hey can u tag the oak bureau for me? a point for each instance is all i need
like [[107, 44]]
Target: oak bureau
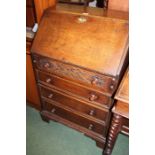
[[79, 61]]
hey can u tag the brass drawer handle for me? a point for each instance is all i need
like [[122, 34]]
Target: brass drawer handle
[[48, 80], [94, 80], [111, 87], [90, 127], [46, 65], [53, 110], [50, 96], [82, 19], [93, 97], [34, 61], [92, 112]]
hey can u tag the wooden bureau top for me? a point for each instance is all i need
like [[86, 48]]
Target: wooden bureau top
[[99, 44], [121, 108], [122, 93]]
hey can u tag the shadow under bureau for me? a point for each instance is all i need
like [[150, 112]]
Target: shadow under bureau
[[78, 66]]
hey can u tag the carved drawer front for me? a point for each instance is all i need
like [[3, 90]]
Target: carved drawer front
[[73, 103], [74, 117], [87, 94], [74, 73]]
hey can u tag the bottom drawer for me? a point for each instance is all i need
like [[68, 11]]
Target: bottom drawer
[[80, 120], [125, 126]]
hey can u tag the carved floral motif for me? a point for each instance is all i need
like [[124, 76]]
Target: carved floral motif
[[72, 72], [75, 73]]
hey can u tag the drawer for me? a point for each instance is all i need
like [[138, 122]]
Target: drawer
[[75, 118], [87, 94], [75, 104], [125, 126], [103, 83]]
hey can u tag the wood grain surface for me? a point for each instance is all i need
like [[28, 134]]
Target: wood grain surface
[[121, 5], [123, 90], [32, 95], [99, 44]]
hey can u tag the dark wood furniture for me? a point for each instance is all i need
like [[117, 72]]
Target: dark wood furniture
[[30, 13], [34, 10], [32, 95], [31, 88], [119, 5], [41, 6], [120, 119], [79, 61]]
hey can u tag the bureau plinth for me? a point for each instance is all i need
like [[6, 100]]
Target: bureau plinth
[[78, 67]]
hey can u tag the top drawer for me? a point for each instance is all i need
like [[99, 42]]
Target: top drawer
[[106, 84]]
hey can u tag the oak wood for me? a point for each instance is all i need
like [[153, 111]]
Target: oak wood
[[30, 13], [32, 95], [113, 133], [41, 6], [28, 46], [121, 5], [30, 17], [100, 144], [75, 126], [74, 89], [75, 118], [123, 90], [85, 108], [125, 126], [72, 72], [120, 119], [119, 124], [35, 9], [122, 97], [45, 118], [77, 65], [63, 30], [121, 108]]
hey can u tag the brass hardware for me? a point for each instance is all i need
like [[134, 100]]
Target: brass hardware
[[93, 97], [46, 65], [53, 110], [91, 112], [34, 61], [94, 81], [50, 96], [112, 87], [90, 127], [48, 80], [82, 19]]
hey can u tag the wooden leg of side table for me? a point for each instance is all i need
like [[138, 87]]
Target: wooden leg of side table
[[113, 133]]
